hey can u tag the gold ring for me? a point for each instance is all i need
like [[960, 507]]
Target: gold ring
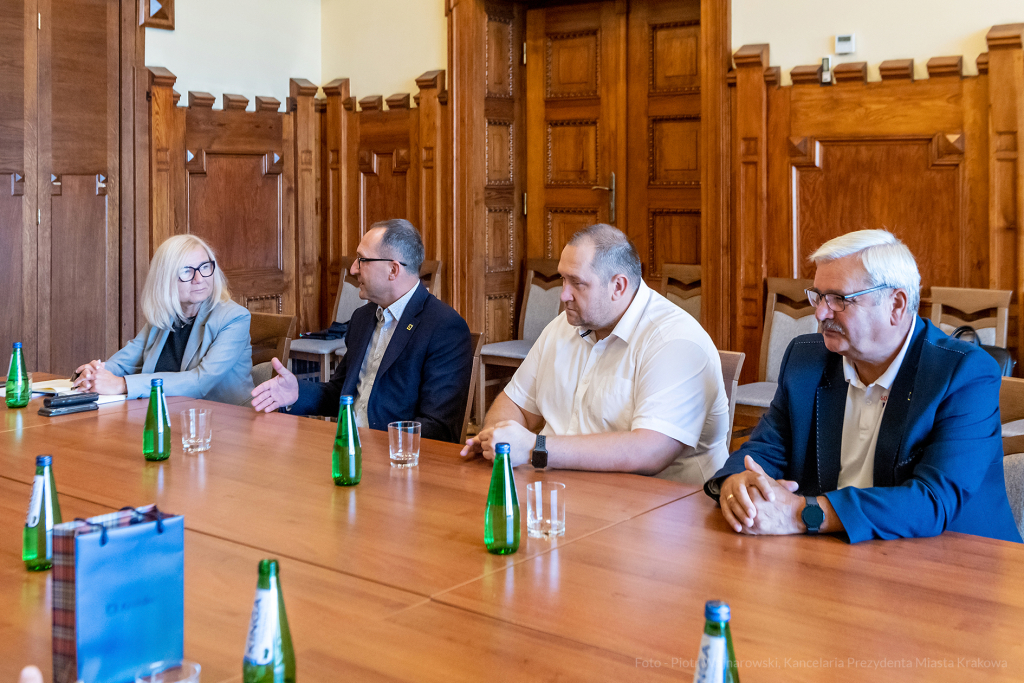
[[731, 496]]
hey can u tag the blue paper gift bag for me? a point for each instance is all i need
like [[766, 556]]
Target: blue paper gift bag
[[118, 595]]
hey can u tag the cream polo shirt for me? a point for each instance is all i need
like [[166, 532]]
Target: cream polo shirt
[[657, 370], [865, 406], [387, 321]]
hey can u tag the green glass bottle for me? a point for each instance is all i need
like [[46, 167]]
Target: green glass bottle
[[19, 389], [347, 458], [716, 661], [501, 528], [156, 437], [43, 513], [269, 656]]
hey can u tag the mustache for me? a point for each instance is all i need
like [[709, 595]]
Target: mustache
[[832, 326]]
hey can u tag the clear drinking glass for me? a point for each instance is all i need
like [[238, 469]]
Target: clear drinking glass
[[169, 672], [196, 429], [404, 439], [545, 509]]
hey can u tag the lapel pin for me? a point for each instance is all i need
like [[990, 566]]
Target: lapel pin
[[410, 326]]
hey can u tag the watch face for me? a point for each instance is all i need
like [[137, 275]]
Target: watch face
[[812, 516]]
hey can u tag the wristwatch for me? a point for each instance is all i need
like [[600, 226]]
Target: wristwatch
[[812, 515], [539, 457]]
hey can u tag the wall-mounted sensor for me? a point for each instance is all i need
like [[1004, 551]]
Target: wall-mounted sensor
[[826, 71], [845, 44]]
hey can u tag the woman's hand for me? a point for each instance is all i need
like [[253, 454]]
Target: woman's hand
[[85, 374], [95, 377]]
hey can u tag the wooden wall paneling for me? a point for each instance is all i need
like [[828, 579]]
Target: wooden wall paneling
[[307, 224], [716, 178], [79, 231], [167, 164], [1006, 163], [780, 258], [433, 195], [664, 134], [339, 234], [751, 205], [134, 161], [387, 163], [505, 155], [241, 197], [467, 23]]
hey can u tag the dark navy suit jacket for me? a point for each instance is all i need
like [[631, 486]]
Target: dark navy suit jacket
[[939, 456], [423, 376]]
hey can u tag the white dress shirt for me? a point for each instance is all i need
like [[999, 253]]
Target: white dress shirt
[[657, 370], [387, 321], [865, 406]]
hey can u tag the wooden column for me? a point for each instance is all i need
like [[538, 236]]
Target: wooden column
[[434, 180], [306, 127], [752, 206], [716, 257], [1006, 164], [339, 222], [467, 21], [166, 163]]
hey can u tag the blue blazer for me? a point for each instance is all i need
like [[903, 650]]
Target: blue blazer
[[217, 365], [423, 376], [939, 456]]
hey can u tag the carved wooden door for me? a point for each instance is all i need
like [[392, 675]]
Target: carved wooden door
[[575, 112]]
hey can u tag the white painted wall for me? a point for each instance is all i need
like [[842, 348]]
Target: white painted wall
[[248, 48], [383, 46], [803, 31]]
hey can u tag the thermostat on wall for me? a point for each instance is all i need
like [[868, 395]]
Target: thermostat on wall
[[845, 44]]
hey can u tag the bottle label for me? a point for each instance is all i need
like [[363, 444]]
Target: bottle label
[[259, 649], [711, 660], [35, 506]]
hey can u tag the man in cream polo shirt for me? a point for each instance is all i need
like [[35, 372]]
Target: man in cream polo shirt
[[623, 380]]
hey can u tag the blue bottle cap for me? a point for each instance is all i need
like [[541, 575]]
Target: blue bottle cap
[[346, 400], [716, 610], [156, 382], [17, 345], [502, 448], [44, 460]]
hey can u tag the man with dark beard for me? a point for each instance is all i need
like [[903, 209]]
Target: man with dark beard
[[885, 426]]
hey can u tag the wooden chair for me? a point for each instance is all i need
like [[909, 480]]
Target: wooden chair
[[430, 276], [542, 290], [680, 284], [986, 310], [478, 343], [1011, 415], [271, 336], [732, 364], [788, 314], [345, 303]]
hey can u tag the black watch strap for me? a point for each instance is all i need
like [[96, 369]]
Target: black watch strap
[[539, 457]]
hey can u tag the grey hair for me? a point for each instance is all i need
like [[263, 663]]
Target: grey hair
[[886, 259], [402, 242], [614, 253]]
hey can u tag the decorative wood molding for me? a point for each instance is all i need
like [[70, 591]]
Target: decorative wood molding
[[652, 59], [773, 75], [652, 126], [157, 14], [509, 151], [509, 61], [431, 80], [752, 55], [946, 66], [200, 100], [338, 87], [55, 185], [372, 103], [597, 66], [597, 152], [101, 185], [805, 153], [507, 265], [1005, 36], [654, 269], [947, 149], [320, 106], [348, 104], [195, 161], [510, 322], [268, 104], [897, 70], [161, 77], [367, 162], [273, 163], [300, 87], [809, 74], [730, 77], [175, 97], [17, 185], [246, 300], [235, 101], [400, 161], [398, 101], [983, 64], [549, 235], [851, 72]]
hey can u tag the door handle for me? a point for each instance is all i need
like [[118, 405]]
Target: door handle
[[611, 208]]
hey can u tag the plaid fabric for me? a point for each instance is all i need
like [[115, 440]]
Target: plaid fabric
[[65, 662]]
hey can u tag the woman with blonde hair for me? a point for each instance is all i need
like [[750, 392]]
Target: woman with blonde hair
[[195, 338]]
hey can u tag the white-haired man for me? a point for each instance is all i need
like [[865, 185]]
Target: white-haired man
[[882, 426], [622, 381]]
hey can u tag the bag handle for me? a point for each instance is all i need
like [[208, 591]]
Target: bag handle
[[966, 329], [152, 515]]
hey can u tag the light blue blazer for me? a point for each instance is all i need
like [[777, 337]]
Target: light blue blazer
[[217, 365]]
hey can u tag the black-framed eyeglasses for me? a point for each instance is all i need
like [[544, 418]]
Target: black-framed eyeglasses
[[838, 302], [360, 260], [188, 273]]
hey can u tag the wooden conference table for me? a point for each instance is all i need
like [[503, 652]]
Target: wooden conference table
[[389, 580]]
